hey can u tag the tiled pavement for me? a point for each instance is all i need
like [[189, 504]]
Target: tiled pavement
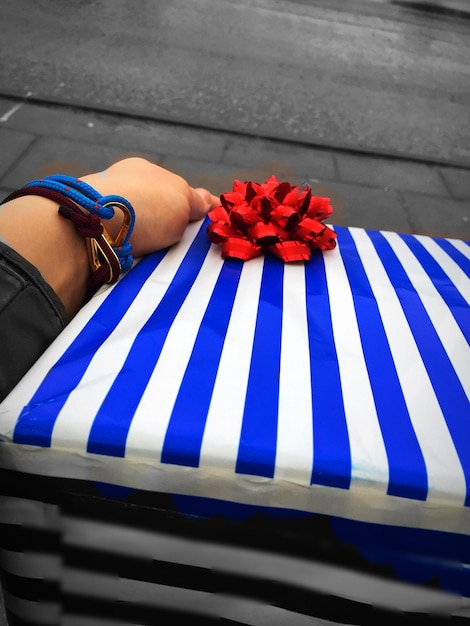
[[366, 190]]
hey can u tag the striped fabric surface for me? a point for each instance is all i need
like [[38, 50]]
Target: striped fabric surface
[[349, 372], [98, 571]]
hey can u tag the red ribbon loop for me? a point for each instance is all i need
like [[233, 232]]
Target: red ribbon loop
[[243, 217], [290, 251], [242, 249], [319, 208], [286, 217], [219, 231], [309, 229], [219, 214], [282, 219], [263, 234]]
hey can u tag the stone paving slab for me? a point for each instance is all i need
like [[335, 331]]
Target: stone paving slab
[[219, 177], [13, 144], [114, 130], [375, 209], [170, 139], [58, 121], [458, 181], [438, 217], [56, 155], [391, 174], [264, 154]]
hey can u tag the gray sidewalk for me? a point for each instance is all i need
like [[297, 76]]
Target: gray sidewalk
[[366, 190]]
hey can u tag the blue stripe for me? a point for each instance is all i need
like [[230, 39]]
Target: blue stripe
[[331, 450], [36, 421], [441, 281], [257, 448], [108, 434], [458, 257], [407, 469], [183, 439], [447, 386]]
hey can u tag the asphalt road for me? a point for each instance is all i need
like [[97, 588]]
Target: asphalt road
[[359, 75]]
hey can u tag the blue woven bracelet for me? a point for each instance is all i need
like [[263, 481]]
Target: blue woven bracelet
[[88, 198]]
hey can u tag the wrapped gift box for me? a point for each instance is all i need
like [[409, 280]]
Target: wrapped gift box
[[303, 424]]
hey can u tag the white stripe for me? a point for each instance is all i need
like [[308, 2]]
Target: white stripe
[[153, 595], [225, 415], [299, 572], [445, 474], [31, 565], [442, 319], [30, 513], [35, 612], [166, 597], [86, 399], [461, 246], [148, 428], [294, 455], [368, 455], [455, 273]]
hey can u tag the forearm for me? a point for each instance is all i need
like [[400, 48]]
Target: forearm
[[163, 203]]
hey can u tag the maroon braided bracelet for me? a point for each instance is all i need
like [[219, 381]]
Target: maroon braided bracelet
[[104, 263]]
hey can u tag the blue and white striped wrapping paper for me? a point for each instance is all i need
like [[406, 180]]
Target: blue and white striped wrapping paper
[[341, 385]]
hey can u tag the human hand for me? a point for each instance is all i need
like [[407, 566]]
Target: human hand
[[164, 202]]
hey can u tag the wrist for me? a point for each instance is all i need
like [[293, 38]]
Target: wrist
[[85, 207], [32, 227]]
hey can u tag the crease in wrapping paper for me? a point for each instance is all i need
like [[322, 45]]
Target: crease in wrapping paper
[[363, 503]]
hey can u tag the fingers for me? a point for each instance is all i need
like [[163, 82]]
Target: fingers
[[202, 201]]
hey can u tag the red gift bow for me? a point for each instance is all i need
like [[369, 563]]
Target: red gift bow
[[273, 216]]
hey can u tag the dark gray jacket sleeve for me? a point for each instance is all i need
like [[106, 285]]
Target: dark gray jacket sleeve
[[31, 317]]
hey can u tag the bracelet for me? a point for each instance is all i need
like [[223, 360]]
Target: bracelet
[[83, 195], [85, 207]]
